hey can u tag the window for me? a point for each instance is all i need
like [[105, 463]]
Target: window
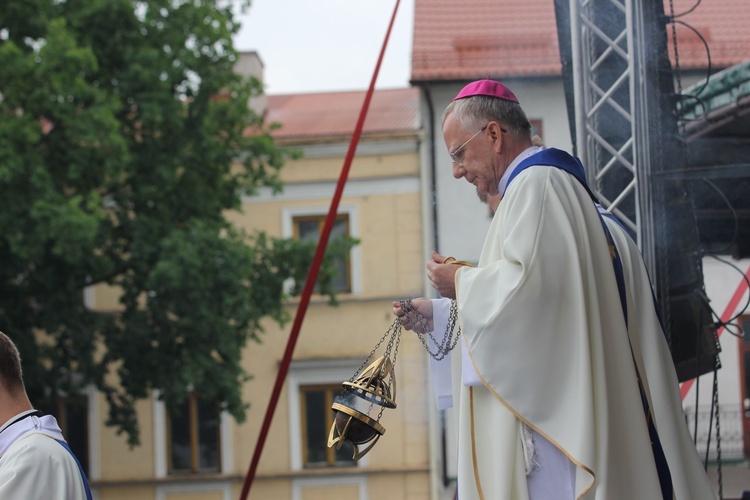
[[72, 417], [309, 228], [194, 437], [536, 128], [312, 386], [316, 419]]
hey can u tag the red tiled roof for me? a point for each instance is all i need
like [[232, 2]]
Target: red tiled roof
[[724, 25], [336, 113], [504, 38], [473, 38]]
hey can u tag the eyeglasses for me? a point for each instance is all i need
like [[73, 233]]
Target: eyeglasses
[[456, 155]]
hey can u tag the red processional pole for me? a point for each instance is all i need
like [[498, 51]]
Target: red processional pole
[[312, 276]]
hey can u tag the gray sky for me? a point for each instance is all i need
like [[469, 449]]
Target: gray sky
[[328, 45]]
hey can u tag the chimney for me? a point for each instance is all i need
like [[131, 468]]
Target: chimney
[[249, 64]]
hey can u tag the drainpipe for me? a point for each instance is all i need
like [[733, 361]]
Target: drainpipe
[[436, 417]]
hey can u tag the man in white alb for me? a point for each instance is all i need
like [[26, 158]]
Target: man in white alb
[[564, 387], [35, 461]]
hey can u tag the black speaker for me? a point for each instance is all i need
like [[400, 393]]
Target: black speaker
[[694, 342], [687, 314]]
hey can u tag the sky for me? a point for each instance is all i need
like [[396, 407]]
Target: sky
[[328, 45]]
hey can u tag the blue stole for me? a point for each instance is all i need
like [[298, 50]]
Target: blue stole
[[554, 158], [560, 159], [80, 469]]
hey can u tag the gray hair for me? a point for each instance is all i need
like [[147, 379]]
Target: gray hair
[[474, 113]]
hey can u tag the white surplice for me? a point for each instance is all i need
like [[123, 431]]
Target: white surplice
[[543, 329], [33, 463]]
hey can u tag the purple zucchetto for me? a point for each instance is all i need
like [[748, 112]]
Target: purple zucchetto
[[489, 88]]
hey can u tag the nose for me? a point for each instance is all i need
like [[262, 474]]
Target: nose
[[458, 171]]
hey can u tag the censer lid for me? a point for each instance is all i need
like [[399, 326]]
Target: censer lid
[[376, 383]]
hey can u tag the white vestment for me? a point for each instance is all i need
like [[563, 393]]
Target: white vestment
[[33, 463], [543, 328]]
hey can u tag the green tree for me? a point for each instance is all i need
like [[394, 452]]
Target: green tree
[[123, 143]]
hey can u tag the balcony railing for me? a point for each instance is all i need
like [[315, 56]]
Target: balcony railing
[[730, 420]]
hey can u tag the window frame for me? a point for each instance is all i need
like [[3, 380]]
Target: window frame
[[194, 425], [300, 485], [89, 396], [320, 220], [62, 405], [308, 373], [538, 124], [330, 391], [162, 443], [288, 214]]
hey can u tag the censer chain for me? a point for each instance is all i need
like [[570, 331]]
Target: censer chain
[[418, 324], [393, 332]]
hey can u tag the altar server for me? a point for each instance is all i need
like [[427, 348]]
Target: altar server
[[35, 461]]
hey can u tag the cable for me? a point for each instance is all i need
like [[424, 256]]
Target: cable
[[710, 421], [734, 215], [740, 333], [715, 402], [695, 420], [747, 282], [699, 102], [708, 52], [687, 11], [673, 20]]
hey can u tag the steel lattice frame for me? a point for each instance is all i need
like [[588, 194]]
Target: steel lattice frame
[[626, 134], [611, 119]]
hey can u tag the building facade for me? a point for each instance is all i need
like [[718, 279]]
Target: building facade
[[198, 453], [380, 207]]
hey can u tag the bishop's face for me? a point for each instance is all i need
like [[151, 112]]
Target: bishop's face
[[472, 155]]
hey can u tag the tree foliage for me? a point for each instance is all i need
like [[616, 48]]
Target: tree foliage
[[121, 126]]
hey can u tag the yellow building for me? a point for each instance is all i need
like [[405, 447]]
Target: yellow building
[[381, 207], [200, 455]]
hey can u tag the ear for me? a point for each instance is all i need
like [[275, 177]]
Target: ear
[[496, 134]]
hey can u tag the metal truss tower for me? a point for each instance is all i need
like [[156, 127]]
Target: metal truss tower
[[615, 106], [623, 114]]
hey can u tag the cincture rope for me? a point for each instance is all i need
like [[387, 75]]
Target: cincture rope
[[452, 260]]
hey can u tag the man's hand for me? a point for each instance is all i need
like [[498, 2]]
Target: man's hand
[[442, 275], [423, 308]]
